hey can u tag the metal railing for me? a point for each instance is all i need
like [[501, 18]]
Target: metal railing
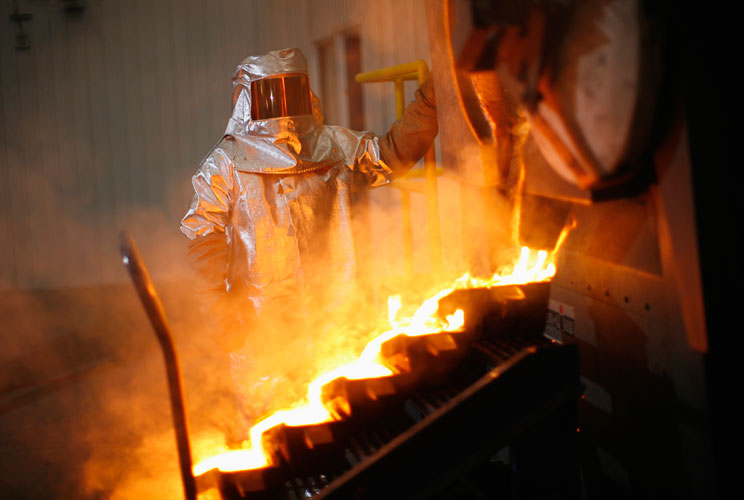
[[416, 70]]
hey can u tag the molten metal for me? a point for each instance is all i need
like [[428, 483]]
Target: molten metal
[[370, 364]]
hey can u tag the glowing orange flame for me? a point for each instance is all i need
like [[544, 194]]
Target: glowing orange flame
[[369, 365]]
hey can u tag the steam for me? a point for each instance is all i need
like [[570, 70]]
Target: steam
[[107, 430], [116, 417], [83, 402]]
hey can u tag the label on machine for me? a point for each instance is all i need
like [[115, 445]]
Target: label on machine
[[559, 321]]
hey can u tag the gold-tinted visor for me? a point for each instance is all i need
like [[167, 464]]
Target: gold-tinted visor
[[282, 95]]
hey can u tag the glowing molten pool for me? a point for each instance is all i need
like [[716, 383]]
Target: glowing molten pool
[[369, 363]]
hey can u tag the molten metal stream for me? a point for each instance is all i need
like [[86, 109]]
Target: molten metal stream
[[370, 365]]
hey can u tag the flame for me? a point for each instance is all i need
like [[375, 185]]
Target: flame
[[425, 320], [520, 131], [564, 234], [310, 412]]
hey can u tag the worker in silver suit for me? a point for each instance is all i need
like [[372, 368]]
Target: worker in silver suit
[[270, 221]]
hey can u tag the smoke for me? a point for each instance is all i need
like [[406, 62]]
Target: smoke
[[84, 407], [104, 427], [131, 438], [84, 410], [107, 433]]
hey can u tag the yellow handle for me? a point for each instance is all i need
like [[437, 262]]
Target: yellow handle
[[415, 70]]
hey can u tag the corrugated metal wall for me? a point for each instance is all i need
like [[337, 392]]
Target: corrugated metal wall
[[104, 119], [101, 122], [391, 32]]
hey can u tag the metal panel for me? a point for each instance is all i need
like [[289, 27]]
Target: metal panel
[[101, 141], [131, 98], [59, 167], [7, 250], [474, 149], [15, 158], [85, 238], [118, 156], [125, 100]]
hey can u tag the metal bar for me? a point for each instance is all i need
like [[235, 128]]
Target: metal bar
[[407, 71], [409, 185], [432, 193], [537, 383], [419, 71], [155, 312], [432, 205], [405, 196], [419, 173], [400, 99], [405, 208]]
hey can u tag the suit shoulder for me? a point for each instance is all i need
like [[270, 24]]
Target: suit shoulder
[[226, 147]]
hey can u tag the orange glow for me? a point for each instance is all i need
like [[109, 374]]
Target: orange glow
[[530, 267], [520, 132], [564, 234]]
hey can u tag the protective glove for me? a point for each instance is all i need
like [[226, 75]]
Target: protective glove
[[232, 318], [230, 314], [413, 134]]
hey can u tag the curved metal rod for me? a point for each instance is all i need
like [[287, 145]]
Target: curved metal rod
[[156, 313]]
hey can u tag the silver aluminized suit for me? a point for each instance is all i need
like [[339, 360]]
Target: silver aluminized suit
[[270, 221]]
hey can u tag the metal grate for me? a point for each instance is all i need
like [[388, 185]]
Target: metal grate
[[501, 388]]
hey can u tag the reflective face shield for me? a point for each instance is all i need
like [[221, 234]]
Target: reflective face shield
[[281, 95]]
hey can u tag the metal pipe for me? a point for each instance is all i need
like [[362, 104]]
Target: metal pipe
[[407, 226], [405, 197], [432, 202], [407, 71], [400, 99], [415, 70], [417, 173], [156, 314], [411, 186], [432, 191]]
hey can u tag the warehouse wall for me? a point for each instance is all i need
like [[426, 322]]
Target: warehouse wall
[[108, 113], [102, 120], [391, 32]]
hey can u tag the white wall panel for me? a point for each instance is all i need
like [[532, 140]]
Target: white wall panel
[[7, 235], [14, 154], [106, 117], [104, 120], [7, 257]]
